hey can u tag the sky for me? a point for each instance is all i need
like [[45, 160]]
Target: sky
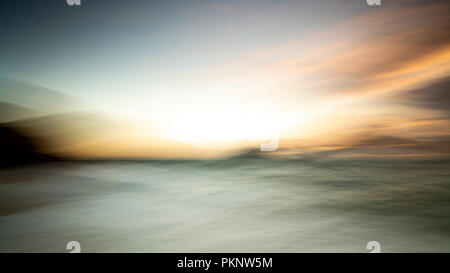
[[220, 74]]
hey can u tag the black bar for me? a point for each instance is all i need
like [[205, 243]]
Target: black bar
[[280, 262]]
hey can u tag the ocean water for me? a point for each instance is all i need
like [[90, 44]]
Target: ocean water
[[239, 204]]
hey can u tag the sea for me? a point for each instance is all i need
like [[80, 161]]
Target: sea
[[243, 203]]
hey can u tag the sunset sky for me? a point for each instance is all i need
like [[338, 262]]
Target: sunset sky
[[221, 74]]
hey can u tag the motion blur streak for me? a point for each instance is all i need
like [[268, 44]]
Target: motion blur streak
[[137, 125], [244, 203]]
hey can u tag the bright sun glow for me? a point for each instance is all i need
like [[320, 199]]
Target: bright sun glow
[[202, 123]]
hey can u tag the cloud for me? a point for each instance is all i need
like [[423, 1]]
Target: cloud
[[377, 144], [435, 96], [375, 51]]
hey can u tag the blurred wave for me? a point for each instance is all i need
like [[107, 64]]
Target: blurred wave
[[249, 202]]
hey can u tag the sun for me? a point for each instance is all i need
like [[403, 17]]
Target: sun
[[224, 123]]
